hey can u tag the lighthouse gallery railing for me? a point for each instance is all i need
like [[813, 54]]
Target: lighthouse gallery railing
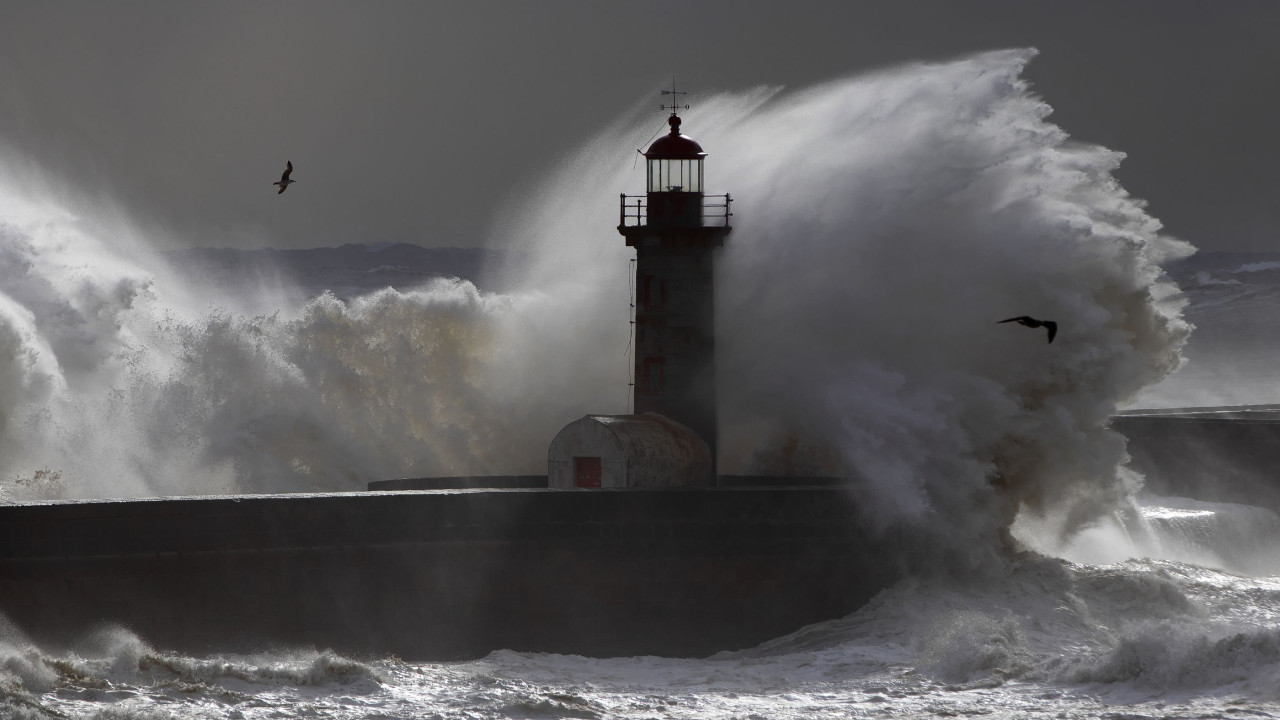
[[716, 210]]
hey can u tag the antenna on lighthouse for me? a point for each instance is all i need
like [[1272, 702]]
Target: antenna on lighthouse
[[672, 108], [673, 91]]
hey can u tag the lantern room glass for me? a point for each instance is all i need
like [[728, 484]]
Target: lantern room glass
[[666, 175]]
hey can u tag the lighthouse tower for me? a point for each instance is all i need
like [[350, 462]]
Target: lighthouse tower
[[675, 228]]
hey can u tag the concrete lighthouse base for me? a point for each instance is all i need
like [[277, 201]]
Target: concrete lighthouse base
[[436, 575]]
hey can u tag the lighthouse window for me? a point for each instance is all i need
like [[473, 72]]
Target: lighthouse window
[[675, 175]]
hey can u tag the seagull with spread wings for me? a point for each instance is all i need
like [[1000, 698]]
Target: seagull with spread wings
[[284, 179], [1031, 322]]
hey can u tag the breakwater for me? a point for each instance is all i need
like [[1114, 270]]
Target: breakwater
[[438, 574], [1227, 454], [442, 574]]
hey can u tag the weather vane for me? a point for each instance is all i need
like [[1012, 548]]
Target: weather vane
[[673, 91]]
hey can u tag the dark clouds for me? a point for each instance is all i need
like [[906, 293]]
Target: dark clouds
[[417, 121]]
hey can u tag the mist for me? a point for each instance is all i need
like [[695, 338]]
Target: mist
[[883, 224]]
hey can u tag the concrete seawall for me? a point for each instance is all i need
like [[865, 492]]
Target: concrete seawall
[[442, 574], [1216, 454], [445, 574]]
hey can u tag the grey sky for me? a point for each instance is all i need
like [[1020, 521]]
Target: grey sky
[[414, 122]]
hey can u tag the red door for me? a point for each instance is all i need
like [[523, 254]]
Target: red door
[[586, 472]]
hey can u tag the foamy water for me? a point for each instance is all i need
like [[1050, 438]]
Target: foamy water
[[883, 225]]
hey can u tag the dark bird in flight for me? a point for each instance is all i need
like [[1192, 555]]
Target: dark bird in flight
[[284, 179], [1034, 323]]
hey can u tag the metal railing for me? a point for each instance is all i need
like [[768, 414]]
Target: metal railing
[[715, 212]]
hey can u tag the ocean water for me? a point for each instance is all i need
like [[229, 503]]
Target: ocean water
[[883, 225]]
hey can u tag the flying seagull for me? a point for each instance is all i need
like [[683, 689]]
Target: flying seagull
[[284, 179], [1034, 323]]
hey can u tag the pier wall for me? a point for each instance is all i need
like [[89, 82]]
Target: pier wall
[[450, 574], [442, 574], [1230, 456]]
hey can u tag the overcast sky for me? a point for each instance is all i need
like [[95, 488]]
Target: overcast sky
[[416, 121]]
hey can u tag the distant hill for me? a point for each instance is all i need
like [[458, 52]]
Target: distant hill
[[346, 271]]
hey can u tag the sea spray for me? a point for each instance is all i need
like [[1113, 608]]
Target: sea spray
[[934, 201], [119, 382], [893, 369], [68, 341], [883, 224]]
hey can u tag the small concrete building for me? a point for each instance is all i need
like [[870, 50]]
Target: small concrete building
[[619, 451]]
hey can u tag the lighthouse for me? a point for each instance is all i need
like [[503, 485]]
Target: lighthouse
[[676, 228], [670, 440]]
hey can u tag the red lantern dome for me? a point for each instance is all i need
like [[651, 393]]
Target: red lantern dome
[[675, 161]]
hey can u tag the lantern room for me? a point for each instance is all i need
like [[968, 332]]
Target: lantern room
[[675, 162], [674, 183]]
